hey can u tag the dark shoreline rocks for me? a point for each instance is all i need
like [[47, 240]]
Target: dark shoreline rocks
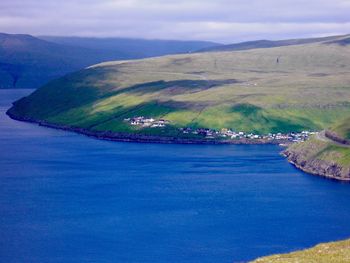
[[315, 167], [330, 170]]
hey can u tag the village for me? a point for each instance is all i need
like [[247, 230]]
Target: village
[[224, 133], [229, 134], [147, 122]]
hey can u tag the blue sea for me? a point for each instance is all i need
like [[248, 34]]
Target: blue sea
[[68, 198]]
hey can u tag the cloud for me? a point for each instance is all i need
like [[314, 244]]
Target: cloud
[[219, 20]]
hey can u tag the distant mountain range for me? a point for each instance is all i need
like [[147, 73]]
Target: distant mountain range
[[30, 62], [129, 48]]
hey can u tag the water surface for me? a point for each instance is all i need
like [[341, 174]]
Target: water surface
[[69, 198]]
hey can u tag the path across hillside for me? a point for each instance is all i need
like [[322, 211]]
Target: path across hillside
[[322, 137]]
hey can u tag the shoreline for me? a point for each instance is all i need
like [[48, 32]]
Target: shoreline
[[139, 138], [326, 170]]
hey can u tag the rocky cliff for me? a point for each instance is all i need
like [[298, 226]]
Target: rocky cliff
[[321, 158]]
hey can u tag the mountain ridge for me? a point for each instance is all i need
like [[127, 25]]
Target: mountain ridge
[[29, 62], [133, 47], [263, 43]]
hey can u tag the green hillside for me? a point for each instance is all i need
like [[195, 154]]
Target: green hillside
[[334, 252], [281, 89]]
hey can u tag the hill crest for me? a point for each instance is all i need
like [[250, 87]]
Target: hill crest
[[282, 89], [342, 39]]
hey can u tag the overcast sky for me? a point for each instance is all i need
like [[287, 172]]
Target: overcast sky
[[216, 20]]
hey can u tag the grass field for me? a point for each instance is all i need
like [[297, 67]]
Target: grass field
[[334, 252], [307, 88]]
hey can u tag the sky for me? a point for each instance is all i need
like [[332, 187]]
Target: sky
[[213, 20]]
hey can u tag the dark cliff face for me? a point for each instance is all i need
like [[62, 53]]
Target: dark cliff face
[[317, 166]]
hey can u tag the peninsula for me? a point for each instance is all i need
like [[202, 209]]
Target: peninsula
[[246, 93]]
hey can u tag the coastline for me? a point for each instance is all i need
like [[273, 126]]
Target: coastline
[[316, 168], [328, 170], [139, 138]]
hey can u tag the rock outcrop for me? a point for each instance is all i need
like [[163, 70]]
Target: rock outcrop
[[318, 167], [335, 137], [319, 158]]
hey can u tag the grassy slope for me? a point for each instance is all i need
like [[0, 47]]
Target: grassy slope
[[248, 90], [335, 252]]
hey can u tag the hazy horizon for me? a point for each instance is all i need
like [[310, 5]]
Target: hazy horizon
[[220, 21], [164, 39]]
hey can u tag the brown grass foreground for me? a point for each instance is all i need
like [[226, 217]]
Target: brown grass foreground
[[334, 252]]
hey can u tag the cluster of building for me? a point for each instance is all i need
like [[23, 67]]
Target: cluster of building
[[147, 122], [223, 133], [230, 134]]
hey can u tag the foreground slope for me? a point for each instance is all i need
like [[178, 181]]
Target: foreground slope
[[334, 252], [282, 89]]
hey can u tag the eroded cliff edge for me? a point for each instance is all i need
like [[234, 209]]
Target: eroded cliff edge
[[322, 157]]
